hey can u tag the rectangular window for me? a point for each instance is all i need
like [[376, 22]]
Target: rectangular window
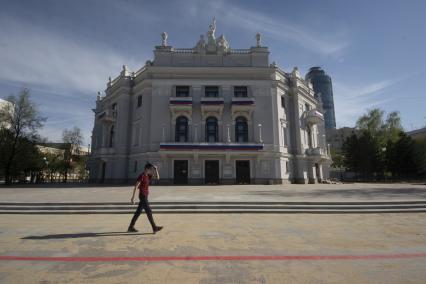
[[135, 166], [282, 101], [240, 91], [139, 101], [211, 91], [182, 91], [287, 167], [307, 107]]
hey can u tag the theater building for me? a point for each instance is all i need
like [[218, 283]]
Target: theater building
[[209, 115]]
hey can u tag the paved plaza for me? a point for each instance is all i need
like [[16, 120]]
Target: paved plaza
[[214, 248]]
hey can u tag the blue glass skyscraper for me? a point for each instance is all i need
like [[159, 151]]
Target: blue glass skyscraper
[[323, 90]]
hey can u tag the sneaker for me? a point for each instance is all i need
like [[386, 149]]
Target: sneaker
[[131, 230], [158, 228]]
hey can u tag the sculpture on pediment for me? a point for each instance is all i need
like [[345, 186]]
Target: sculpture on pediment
[[211, 39], [258, 40], [222, 44], [201, 44], [296, 73], [164, 37]]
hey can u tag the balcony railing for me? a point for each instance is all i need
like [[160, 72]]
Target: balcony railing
[[313, 116], [242, 101], [212, 101], [318, 151], [182, 146], [180, 101], [108, 115]]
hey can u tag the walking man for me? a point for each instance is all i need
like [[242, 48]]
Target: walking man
[[142, 183]]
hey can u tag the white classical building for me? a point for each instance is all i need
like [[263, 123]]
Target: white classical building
[[209, 115]]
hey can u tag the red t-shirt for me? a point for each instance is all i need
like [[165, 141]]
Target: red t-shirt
[[143, 184]]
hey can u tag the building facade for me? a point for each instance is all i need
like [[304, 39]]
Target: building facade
[[323, 89], [209, 115]]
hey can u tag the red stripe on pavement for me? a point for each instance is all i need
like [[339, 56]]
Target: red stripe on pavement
[[211, 258]]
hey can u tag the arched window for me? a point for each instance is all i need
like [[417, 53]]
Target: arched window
[[181, 130], [111, 137], [241, 130], [211, 130], [309, 132]]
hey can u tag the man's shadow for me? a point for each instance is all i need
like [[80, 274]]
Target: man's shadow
[[83, 235]]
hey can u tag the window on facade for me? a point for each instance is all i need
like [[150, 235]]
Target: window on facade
[[287, 166], [240, 91], [182, 91], [181, 131], [307, 107], [111, 137], [139, 101], [211, 91], [114, 109], [241, 130], [308, 130], [282, 101], [135, 166], [211, 130]]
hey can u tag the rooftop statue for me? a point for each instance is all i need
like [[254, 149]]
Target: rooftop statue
[[211, 39], [164, 37], [222, 44], [201, 45]]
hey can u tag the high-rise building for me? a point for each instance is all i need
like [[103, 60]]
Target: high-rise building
[[324, 91]]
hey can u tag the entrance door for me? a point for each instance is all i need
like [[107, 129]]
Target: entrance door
[[103, 170], [243, 172], [211, 172], [180, 172]]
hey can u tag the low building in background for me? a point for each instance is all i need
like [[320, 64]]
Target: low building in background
[[58, 155], [337, 137], [418, 134], [5, 104]]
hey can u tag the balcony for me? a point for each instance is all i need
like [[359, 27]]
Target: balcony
[[188, 146], [108, 116], [317, 153], [242, 105], [180, 105], [211, 105], [313, 116]]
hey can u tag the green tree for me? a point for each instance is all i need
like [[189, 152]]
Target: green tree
[[400, 156], [363, 155], [21, 121]]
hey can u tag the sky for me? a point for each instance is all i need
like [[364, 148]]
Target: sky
[[64, 51]]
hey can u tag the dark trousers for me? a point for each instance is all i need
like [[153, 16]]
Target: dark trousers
[[143, 204]]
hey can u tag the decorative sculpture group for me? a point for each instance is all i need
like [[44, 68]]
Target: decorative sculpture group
[[213, 45]]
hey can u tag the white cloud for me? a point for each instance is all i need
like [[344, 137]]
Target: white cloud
[[34, 55], [278, 29], [351, 101]]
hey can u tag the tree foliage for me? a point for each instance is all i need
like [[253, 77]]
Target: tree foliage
[[20, 122], [382, 148]]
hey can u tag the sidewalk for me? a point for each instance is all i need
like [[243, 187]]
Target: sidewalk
[[222, 193]]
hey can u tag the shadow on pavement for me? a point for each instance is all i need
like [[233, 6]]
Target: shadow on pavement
[[368, 193], [83, 235]]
